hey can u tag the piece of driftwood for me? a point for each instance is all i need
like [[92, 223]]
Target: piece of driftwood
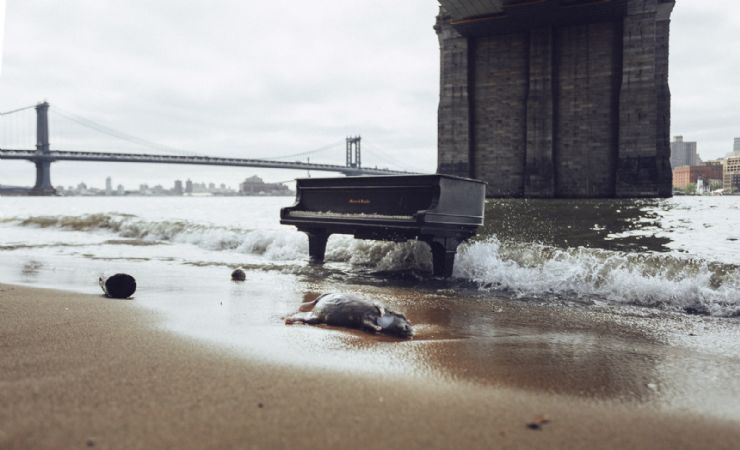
[[120, 285]]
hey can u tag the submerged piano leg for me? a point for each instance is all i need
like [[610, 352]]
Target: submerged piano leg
[[317, 245], [443, 255]]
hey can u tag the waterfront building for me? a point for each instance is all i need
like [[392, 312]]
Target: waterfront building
[[254, 185], [188, 187], [683, 176], [736, 147], [108, 186], [683, 153], [731, 179]]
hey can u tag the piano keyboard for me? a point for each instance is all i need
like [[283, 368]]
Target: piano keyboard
[[359, 216]]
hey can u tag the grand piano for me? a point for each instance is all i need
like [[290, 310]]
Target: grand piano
[[440, 210]]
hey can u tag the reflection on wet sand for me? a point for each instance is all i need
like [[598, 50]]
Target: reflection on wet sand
[[30, 269], [549, 349], [527, 346]]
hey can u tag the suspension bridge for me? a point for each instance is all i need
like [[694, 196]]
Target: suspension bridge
[[43, 156]]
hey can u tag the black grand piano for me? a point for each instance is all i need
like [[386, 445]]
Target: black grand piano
[[440, 210]]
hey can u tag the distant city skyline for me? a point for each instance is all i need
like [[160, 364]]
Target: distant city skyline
[[689, 153], [223, 81], [252, 185], [684, 153]]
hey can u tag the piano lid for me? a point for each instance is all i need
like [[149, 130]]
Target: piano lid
[[381, 180]]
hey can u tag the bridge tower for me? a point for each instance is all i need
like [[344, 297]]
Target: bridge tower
[[43, 163], [354, 159], [556, 98]]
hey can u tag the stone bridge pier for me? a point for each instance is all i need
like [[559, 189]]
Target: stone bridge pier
[[556, 98]]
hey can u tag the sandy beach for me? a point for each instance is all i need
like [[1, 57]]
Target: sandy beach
[[82, 371]]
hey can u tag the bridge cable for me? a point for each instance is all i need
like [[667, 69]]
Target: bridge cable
[[16, 110], [15, 130], [87, 123], [136, 140], [309, 152], [374, 151]]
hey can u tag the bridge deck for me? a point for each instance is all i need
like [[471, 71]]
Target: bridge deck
[[64, 155]]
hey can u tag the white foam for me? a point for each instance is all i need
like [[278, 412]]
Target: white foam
[[638, 279], [665, 280]]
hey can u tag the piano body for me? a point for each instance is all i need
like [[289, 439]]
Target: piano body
[[440, 210]]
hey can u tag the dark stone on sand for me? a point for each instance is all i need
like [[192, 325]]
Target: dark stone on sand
[[238, 275], [538, 423], [120, 285]]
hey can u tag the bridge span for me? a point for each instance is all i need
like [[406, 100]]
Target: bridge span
[[43, 157], [67, 155]]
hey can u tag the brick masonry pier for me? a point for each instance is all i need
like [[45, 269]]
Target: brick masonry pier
[[556, 98]]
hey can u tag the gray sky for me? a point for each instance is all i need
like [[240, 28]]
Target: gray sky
[[2, 32], [254, 79]]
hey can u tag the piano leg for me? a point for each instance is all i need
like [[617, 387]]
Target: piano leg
[[317, 245], [443, 255]]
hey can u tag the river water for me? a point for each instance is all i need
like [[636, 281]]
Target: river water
[[603, 297]]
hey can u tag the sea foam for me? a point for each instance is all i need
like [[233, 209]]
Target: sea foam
[[524, 270]]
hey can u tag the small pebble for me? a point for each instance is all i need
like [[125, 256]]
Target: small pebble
[[538, 422]]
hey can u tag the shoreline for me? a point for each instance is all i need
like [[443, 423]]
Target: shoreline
[[81, 370]]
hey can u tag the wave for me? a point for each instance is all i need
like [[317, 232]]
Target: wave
[[142, 231], [280, 244], [524, 270], [666, 281]]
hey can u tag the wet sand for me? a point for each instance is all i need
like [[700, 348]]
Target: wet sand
[[81, 371]]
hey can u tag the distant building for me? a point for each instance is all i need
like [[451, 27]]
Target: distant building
[[683, 176], [254, 185], [108, 186], [736, 147], [683, 153], [178, 190], [731, 180], [189, 187]]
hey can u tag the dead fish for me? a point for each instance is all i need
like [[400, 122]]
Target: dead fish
[[351, 311]]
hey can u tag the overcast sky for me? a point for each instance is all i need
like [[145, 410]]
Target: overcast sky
[[255, 79]]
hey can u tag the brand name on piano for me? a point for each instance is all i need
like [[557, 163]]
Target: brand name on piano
[[359, 201]]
